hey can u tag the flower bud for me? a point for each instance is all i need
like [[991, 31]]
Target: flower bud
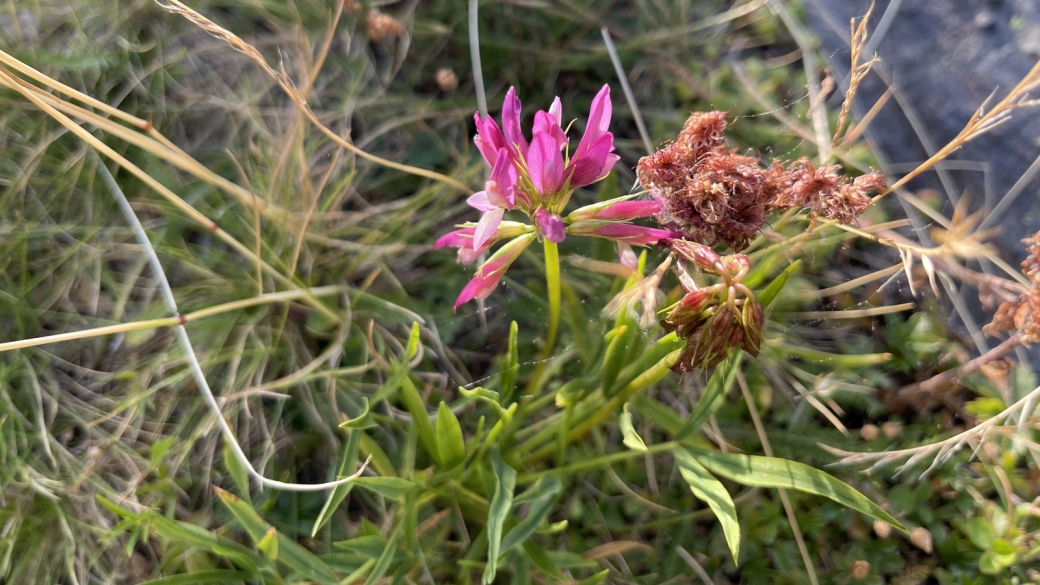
[[702, 256]]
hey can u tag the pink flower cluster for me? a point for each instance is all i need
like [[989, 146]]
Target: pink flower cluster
[[537, 179]]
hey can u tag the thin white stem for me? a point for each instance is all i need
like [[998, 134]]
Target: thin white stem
[[189, 352], [474, 53]]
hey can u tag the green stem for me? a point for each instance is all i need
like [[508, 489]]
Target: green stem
[[552, 285]]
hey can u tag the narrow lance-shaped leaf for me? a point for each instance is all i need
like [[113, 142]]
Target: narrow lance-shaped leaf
[[769, 294], [290, 553], [385, 558], [450, 442], [346, 467], [752, 470], [510, 366], [613, 356], [712, 492], [501, 505], [541, 496], [714, 394], [237, 471], [361, 421], [631, 439], [420, 418]]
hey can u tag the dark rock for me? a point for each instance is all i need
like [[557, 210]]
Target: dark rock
[[945, 59]]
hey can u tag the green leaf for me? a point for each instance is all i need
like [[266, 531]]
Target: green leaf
[[712, 492], [413, 343], [361, 421], [350, 457], [541, 496], [269, 545], [207, 576], [714, 394], [542, 561], [980, 531], [511, 365], [752, 470], [388, 487], [501, 505], [420, 418], [489, 397], [769, 294], [450, 442], [650, 358], [385, 558], [833, 359], [370, 545], [632, 439], [290, 553], [595, 579], [614, 356], [237, 471]]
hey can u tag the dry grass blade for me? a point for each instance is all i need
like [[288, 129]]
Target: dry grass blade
[[858, 39], [980, 122], [297, 97]]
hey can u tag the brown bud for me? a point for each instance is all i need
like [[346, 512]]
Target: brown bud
[[446, 79], [735, 264], [891, 429], [754, 319], [922, 539], [382, 25], [882, 529], [860, 569], [869, 432]]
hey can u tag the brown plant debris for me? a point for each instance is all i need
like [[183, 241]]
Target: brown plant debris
[[714, 196]]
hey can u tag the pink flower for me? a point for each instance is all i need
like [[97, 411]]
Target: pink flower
[[491, 272], [623, 232], [464, 240], [551, 225]]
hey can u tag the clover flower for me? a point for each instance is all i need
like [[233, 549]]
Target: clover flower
[[537, 178]]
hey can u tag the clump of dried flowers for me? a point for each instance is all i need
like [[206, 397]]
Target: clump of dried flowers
[[1022, 314], [717, 318], [714, 196]]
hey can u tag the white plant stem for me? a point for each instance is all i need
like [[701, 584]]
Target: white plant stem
[[189, 352]]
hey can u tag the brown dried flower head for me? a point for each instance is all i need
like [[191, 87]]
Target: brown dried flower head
[[382, 25], [1022, 314], [715, 196], [446, 79]]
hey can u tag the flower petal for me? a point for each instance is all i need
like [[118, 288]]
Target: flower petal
[[551, 225], [545, 165], [599, 120], [556, 111], [486, 226], [501, 187], [545, 123], [489, 139], [511, 123], [480, 201], [627, 256], [593, 163], [455, 239], [624, 232]]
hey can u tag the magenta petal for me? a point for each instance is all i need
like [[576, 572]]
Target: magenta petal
[[599, 120], [455, 239], [630, 209], [550, 225], [627, 256], [502, 186], [545, 164], [511, 123], [489, 139], [545, 123], [632, 234], [588, 165], [480, 201], [556, 111], [487, 226], [479, 287]]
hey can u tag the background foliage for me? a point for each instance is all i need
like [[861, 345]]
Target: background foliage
[[111, 462]]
